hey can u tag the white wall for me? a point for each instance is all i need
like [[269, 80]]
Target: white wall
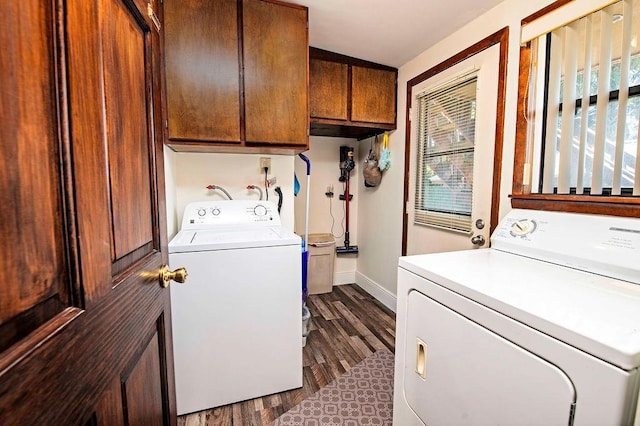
[[189, 174], [324, 154], [380, 211], [170, 191]]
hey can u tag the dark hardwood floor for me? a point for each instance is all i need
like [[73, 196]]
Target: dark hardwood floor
[[348, 325]]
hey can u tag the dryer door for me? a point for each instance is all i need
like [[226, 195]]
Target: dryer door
[[458, 372]]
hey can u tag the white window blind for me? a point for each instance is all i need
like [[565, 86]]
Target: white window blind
[[560, 17], [446, 143], [592, 104]]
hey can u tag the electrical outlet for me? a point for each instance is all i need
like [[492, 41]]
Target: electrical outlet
[[272, 180], [265, 162], [329, 192]]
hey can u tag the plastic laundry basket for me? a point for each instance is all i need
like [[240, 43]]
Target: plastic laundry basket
[[321, 258]]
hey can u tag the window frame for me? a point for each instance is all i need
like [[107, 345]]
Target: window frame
[[521, 196]]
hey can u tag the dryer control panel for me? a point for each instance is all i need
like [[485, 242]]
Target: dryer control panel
[[229, 213], [604, 245]]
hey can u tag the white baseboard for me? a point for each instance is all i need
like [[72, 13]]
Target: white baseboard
[[340, 278], [383, 295]]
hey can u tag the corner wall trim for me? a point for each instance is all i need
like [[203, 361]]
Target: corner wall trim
[[383, 295]]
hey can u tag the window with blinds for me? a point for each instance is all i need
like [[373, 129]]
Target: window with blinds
[[590, 104], [446, 142]]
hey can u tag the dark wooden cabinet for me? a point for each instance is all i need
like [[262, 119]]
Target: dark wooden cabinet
[[350, 97], [236, 76], [373, 95], [328, 89], [203, 78]]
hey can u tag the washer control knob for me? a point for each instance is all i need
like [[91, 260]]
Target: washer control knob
[[202, 212], [215, 212], [260, 210]]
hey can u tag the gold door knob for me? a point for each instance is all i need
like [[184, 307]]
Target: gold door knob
[[166, 276]]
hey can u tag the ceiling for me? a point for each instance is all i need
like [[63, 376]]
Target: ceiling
[[390, 32]]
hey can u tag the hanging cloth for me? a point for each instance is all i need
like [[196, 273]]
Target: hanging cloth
[[296, 185], [385, 156]]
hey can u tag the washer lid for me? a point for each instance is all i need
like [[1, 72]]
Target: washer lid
[[596, 314], [252, 237]]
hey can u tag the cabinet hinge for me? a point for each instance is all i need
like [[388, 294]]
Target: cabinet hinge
[[153, 16], [572, 413], [166, 124], [406, 207]]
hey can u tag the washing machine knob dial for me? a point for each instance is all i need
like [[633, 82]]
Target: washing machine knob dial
[[215, 212], [260, 210], [202, 212]]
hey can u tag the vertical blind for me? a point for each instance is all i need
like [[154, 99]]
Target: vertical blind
[[592, 110], [446, 143]]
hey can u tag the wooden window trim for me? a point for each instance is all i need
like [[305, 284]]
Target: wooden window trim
[[522, 197]]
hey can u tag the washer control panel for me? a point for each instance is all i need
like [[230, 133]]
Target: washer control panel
[[212, 214]]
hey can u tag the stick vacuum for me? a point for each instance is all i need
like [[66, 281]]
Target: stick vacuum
[[346, 165]]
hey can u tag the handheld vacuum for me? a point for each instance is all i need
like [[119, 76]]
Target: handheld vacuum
[[346, 165]]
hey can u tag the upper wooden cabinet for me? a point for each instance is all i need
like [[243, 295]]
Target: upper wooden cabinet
[[350, 97], [202, 71], [328, 89], [236, 74]]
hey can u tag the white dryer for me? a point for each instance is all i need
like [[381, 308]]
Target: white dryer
[[237, 320], [541, 329]]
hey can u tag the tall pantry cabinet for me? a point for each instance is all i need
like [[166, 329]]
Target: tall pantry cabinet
[[236, 76]]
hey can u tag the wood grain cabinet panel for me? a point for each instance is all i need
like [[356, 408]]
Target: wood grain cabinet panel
[[350, 97], [329, 84], [236, 75], [373, 95], [203, 78], [275, 73]]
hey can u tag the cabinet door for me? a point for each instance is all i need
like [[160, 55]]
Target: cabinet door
[[373, 95], [202, 70], [328, 89], [275, 73]]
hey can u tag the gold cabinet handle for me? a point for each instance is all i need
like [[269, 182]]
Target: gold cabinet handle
[[166, 276]]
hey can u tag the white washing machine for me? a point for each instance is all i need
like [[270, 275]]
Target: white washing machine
[[541, 329], [237, 320]]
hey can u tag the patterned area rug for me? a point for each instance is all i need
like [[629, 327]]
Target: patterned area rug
[[361, 396]]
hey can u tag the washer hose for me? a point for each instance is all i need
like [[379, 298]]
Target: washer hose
[[278, 191], [221, 189], [256, 187]]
